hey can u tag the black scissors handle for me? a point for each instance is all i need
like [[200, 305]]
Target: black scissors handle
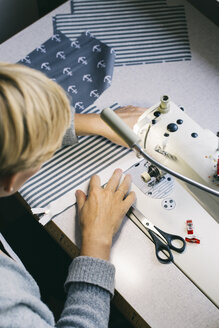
[[161, 246], [169, 238]]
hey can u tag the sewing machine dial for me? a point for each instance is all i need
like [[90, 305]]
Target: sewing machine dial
[[150, 180]]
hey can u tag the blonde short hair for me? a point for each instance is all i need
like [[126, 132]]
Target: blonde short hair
[[34, 115]]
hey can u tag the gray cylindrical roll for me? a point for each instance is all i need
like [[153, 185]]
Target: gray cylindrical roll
[[119, 126]]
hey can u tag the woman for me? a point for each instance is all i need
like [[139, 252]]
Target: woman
[[35, 118]]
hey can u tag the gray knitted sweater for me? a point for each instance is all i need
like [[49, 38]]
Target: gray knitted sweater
[[89, 287]]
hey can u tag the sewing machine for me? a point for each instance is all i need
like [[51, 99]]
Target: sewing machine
[[171, 137], [165, 134], [173, 145]]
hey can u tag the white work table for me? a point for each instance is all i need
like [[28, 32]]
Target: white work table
[[162, 295]]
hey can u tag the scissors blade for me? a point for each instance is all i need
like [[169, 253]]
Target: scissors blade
[[145, 222], [140, 216]]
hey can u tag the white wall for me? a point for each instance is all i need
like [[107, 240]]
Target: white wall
[[16, 15]]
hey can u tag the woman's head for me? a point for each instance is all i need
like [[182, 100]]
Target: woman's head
[[34, 115]]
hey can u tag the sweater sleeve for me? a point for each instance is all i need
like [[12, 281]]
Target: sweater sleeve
[[89, 286], [70, 137]]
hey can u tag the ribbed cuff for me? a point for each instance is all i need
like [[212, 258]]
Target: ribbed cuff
[[93, 271]]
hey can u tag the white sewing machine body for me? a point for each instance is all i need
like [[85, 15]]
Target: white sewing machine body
[[168, 202], [175, 140]]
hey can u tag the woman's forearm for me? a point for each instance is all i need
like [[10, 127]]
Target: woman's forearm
[[88, 124], [92, 124]]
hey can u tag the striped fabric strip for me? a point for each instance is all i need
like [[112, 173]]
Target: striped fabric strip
[[71, 166], [140, 31], [85, 6]]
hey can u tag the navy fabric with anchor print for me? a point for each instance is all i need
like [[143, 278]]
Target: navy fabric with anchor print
[[83, 67]]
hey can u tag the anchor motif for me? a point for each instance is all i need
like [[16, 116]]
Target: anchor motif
[[41, 49], [96, 48], [82, 60], [94, 93], [75, 44], [26, 60], [101, 64], [72, 89], [79, 105], [107, 79], [56, 37], [67, 71], [60, 54], [88, 78], [46, 66]]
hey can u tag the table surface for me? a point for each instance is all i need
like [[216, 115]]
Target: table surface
[[161, 294]]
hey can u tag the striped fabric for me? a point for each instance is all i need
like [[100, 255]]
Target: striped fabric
[[140, 31], [70, 167]]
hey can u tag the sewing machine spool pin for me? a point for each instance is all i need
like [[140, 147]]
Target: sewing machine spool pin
[[164, 104]]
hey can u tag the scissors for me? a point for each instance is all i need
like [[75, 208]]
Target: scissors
[[161, 239]]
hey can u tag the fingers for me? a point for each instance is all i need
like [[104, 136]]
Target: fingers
[[113, 185], [114, 180], [124, 186], [94, 182], [129, 201], [80, 198]]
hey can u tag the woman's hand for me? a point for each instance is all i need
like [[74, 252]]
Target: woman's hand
[[86, 124], [101, 213]]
